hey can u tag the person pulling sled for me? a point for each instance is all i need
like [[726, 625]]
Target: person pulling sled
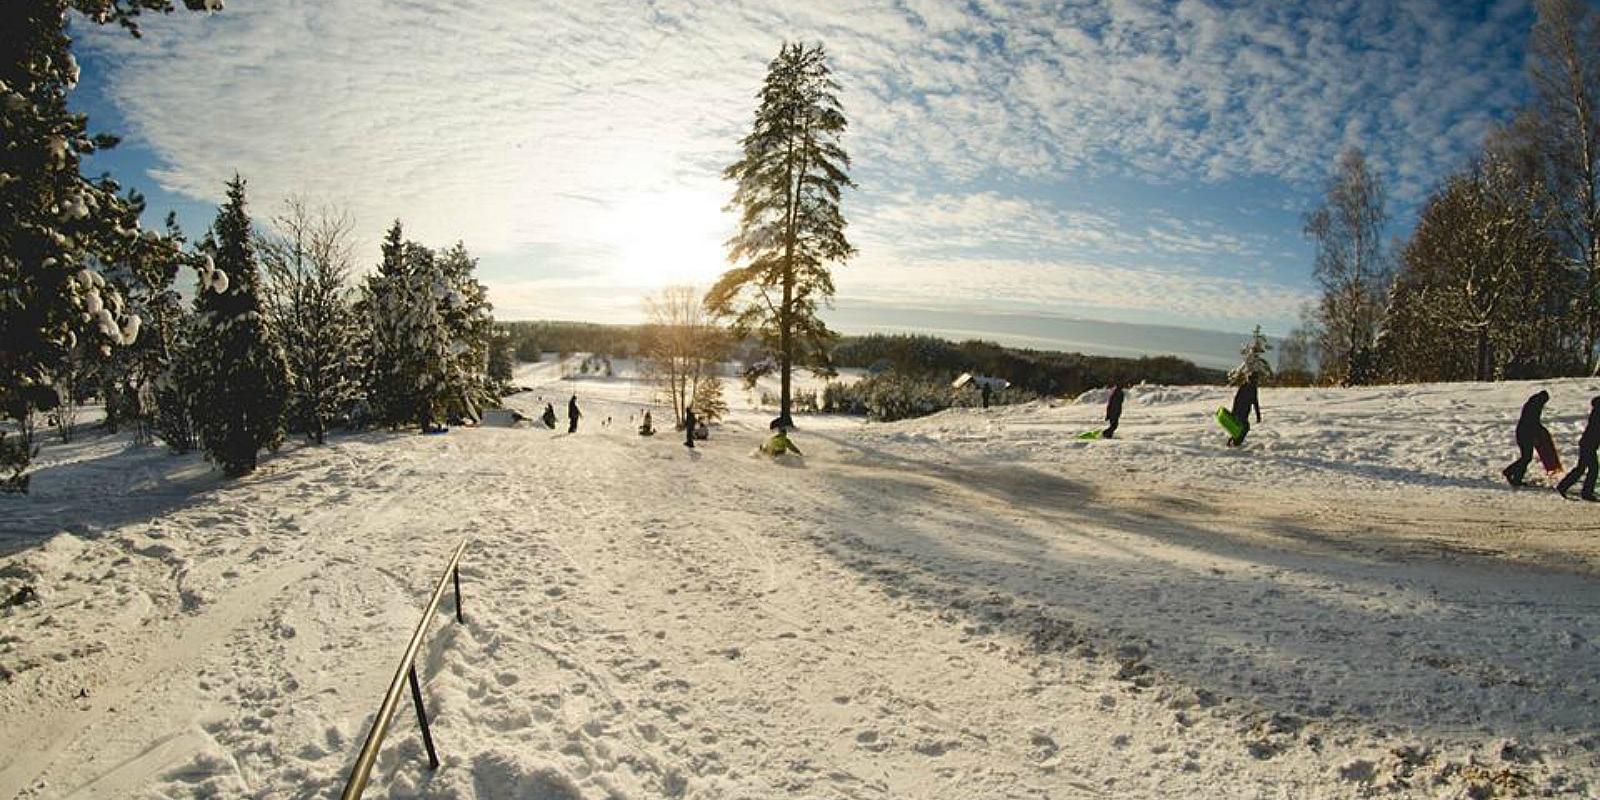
[[1529, 431], [1248, 397]]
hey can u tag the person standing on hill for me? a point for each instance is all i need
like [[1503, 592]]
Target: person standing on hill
[[688, 428], [1529, 429], [985, 392], [1588, 466], [573, 414], [1248, 397], [1113, 411]]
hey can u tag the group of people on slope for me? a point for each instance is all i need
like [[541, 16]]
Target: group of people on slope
[[1246, 399], [1531, 430], [548, 418]]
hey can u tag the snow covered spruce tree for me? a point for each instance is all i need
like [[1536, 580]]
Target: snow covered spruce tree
[[1255, 360], [309, 307], [384, 309], [240, 377], [430, 333], [465, 387], [57, 229], [789, 178], [1351, 268]]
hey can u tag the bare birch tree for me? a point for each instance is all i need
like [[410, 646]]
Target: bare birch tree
[[1351, 268], [683, 351]]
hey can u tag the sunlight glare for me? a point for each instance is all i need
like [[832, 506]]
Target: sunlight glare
[[670, 238]]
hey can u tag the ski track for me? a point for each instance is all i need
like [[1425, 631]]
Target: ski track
[[954, 607]]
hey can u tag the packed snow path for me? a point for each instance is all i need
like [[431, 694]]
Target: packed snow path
[[953, 607]]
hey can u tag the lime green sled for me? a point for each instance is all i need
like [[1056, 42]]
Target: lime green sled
[[1089, 435], [1228, 423]]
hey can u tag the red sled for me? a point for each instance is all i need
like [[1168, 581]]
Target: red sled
[[1549, 456]]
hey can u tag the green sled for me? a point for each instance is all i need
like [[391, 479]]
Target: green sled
[[1228, 423], [1089, 435]]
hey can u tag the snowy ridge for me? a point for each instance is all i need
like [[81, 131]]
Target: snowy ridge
[[966, 605]]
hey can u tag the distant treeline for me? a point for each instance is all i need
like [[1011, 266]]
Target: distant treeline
[[926, 358], [1042, 372], [530, 339]]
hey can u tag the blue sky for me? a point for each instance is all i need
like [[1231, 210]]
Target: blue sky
[[1129, 161]]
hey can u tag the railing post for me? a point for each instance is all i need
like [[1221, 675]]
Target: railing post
[[422, 719], [459, 616]]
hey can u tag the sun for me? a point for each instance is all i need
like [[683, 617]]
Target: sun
[[672, 237]]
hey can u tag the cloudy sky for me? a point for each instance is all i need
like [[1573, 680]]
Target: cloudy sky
[[1019, 161]]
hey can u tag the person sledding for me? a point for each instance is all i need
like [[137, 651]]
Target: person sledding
[[549, 416], [646, 428], [1246, 398], [1588, 466], [1113, 411], [778, 443], [1529, 431]]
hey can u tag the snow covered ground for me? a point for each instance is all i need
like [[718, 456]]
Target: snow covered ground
[[973, 604]]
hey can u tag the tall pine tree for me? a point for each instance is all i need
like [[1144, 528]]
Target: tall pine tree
[[790, 178], [240, 373]]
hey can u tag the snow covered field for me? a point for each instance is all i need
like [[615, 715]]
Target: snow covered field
[[970, 605]]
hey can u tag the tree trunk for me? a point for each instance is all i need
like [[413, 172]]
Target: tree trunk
[[785, 347]]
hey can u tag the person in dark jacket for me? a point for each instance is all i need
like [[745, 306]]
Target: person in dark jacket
[[1248, 397], [688, 428], [985, 392], [647, 428], [1529, 429], [573, 414], [1113, 411], [549, 416], [1588, 466]]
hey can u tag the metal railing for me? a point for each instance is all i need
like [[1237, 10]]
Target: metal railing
[[406, 672]]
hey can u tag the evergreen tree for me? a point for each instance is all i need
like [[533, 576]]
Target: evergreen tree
[[384, 308], [463, 303], [240, 373], [502, 362], [1255, 360], [790, 177], [57, 229]]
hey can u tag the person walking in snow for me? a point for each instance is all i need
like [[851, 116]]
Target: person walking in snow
[[688, 428], [1113, 411], [1529, 429], [1248, 397], [572, 415], [1588, 466], [985, 393]]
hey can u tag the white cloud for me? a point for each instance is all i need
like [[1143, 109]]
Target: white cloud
[[533, 126]]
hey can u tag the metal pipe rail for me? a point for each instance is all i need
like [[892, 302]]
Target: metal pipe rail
[[407, 672]]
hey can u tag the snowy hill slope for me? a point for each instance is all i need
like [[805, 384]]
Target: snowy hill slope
[[967, 605]]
